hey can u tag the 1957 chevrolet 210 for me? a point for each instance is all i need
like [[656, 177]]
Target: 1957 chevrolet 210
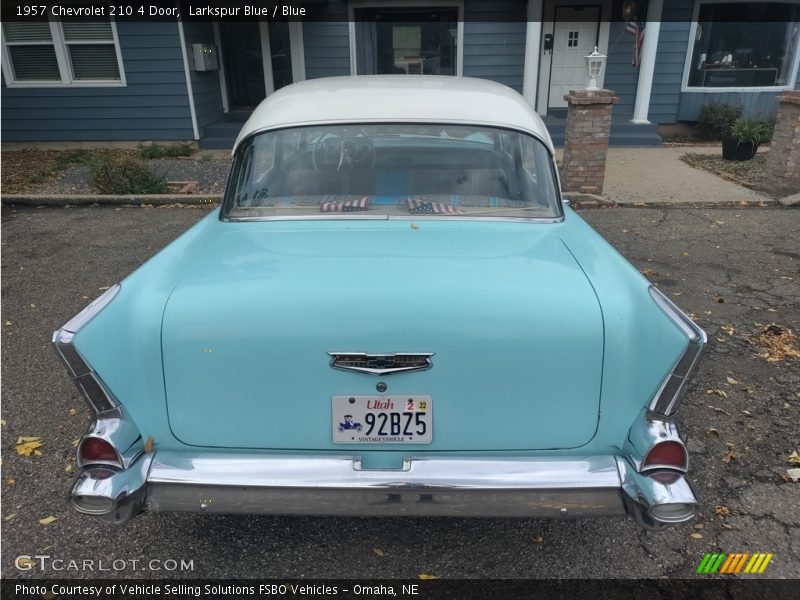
[[393, 312]]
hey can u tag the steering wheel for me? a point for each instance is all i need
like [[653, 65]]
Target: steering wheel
[[342, 152]]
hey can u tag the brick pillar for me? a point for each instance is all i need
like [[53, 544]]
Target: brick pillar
[[783, 158], [586, 140]]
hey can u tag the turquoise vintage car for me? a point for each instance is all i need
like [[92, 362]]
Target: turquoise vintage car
[[393, 312]]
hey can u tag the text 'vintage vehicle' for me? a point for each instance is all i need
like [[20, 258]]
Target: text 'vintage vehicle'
[[392, 312]]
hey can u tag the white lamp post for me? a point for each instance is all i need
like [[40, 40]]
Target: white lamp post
[[594, 66]]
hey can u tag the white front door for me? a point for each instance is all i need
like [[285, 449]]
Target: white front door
[[574, 36]]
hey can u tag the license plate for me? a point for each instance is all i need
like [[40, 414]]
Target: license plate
[[382, 420]]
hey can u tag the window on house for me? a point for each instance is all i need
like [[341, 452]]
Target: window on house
[[407, 41], [740, 44], [61, 52]]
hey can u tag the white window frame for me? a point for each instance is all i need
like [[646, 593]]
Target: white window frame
[[64, 64], [421, 4], [706, 90]]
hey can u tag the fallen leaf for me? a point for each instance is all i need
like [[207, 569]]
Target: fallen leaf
[[716, 392], [3, 422], [379, 551], [729, 329], [9, 517], [148, 445], [727, 526], [8, 322], [699, 526], [730, 455], [427, 576], [648, 272], [10, 481], [47, 520], [538, 540], [713, 432], [104, 288], [794, 474], [778, 342], [33, 306], [73, 412], [697, 536], [722, 511], [75, 443], [794, 458], [677, 293], [68, 468], [746, 413], [731, 380], [27, 445]]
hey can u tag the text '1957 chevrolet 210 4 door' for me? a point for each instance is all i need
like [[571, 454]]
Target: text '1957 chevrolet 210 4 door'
[[391, 313]]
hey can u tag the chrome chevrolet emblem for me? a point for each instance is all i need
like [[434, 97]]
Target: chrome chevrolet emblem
[[381, 364]]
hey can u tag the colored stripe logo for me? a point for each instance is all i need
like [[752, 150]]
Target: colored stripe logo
[[735, 563]]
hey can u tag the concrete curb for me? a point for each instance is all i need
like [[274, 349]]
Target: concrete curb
[[84, 200]]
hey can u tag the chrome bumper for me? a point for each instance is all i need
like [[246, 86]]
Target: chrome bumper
[[467, 487]]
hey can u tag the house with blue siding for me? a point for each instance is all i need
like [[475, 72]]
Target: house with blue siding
[[136, 80]]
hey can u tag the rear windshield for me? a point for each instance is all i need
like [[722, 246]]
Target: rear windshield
[[396, 170]]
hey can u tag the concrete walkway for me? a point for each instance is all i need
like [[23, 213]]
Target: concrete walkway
[[658, 175], [635, 175]]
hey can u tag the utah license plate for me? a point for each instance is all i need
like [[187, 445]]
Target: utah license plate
[[382, 420]]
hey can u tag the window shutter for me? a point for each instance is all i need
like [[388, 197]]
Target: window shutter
[[94, 61], [30, 47], [80, 31]]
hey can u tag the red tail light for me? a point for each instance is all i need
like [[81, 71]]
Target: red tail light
[[666, 454], [95, 450]]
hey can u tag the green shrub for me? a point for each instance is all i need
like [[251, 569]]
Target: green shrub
[[127, 175], [715, 120], [748, 131], [170, 151]]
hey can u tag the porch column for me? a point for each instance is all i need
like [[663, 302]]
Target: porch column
[[648, 64], [533, 36]]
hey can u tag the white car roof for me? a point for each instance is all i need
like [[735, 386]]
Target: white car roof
[[396, 98]]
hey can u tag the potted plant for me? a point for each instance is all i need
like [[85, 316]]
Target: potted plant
[[741, 142]]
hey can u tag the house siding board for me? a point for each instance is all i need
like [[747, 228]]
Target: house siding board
[[673, 41], [326, 43], [152, 106], [620, 75], [756, 105]]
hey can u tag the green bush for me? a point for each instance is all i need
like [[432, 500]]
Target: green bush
[[170, 151], [127, 175], [748, 131], [715, 120]]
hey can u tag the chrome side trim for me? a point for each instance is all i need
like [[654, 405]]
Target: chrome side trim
[[97, 395], [670, 392], [114, 427], [414, 218], [381, 364]]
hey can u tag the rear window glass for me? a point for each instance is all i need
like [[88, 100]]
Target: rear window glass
[[394, 170]]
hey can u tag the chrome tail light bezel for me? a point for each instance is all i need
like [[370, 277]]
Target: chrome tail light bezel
[[668, 397]]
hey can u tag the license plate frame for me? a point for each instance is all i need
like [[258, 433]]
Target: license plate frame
[[382, 428]]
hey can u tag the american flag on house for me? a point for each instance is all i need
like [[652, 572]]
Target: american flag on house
[[425, 207], [636, 28], [345, 205]]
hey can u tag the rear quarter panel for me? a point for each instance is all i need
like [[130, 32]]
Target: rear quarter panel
[[641, 342]]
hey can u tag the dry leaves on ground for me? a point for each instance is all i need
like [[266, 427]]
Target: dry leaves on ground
[[48, 520], [792, 475], [794, 458], [29, 445], [379, 551], [647, 272], [716, 392], [722, 511], [427, 576], [778, 342]]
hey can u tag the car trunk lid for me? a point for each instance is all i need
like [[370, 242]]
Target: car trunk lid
[[513, 325]]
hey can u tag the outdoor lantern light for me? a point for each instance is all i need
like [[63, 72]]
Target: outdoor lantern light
[[594, 66]]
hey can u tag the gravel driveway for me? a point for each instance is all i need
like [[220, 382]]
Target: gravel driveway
[[734, 269]]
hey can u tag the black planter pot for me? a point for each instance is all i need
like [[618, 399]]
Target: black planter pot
[[733, 149]]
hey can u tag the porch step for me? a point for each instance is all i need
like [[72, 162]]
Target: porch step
[[222, 134], [623, 132]]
